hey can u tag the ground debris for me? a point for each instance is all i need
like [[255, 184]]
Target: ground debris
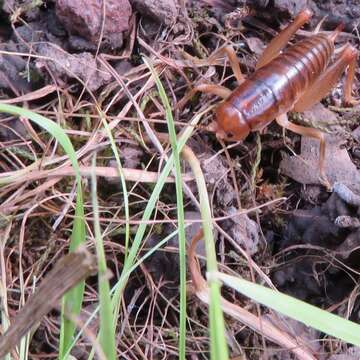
[[164, 263], [335, 12], [346, 12], [17, 75], [306, 336], [290, 7], [313, 253], [255, 45], [12, 129], [317, 226], [131, 155], [54, 56], [216, 177], [68, 271]]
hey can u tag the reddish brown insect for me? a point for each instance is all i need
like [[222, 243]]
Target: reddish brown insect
[[294, 79]]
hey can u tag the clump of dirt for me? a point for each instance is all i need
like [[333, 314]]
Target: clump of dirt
[[319, 246], [82, 67]]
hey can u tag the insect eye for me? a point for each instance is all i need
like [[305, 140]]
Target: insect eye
[[229, 135]]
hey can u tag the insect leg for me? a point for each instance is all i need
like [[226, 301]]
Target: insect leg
[[233, 60], [218, 90], [349, 80], [281, 40], [283, 121]]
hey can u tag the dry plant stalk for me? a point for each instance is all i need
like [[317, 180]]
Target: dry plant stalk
[[135, 175], [68, 271]]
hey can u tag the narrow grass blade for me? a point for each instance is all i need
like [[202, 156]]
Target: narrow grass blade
[[147, 214], [299, 310], [107, 332], [137, 264], [73, 300], [123, 183], [218, 344], [180, 208], [139, 236]]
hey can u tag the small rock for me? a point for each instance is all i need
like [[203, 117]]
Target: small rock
[[243, 230], [347, 222], [356, 133], [65, 65], [350, 245], [85, 18], [163, 11], [215, 174], [338, 164]]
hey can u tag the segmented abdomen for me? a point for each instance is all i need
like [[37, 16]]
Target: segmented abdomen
[[275, 88], [298, 67]]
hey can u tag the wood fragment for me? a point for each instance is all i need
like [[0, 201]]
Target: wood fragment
[[68, 271]]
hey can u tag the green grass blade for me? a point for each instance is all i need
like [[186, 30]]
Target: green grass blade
[[147, 214], [107, 332], [218, 344], [139, 236], [51, 127], [180, 208], [123, 184], [299, 310], [137, 264], [73, 299]]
